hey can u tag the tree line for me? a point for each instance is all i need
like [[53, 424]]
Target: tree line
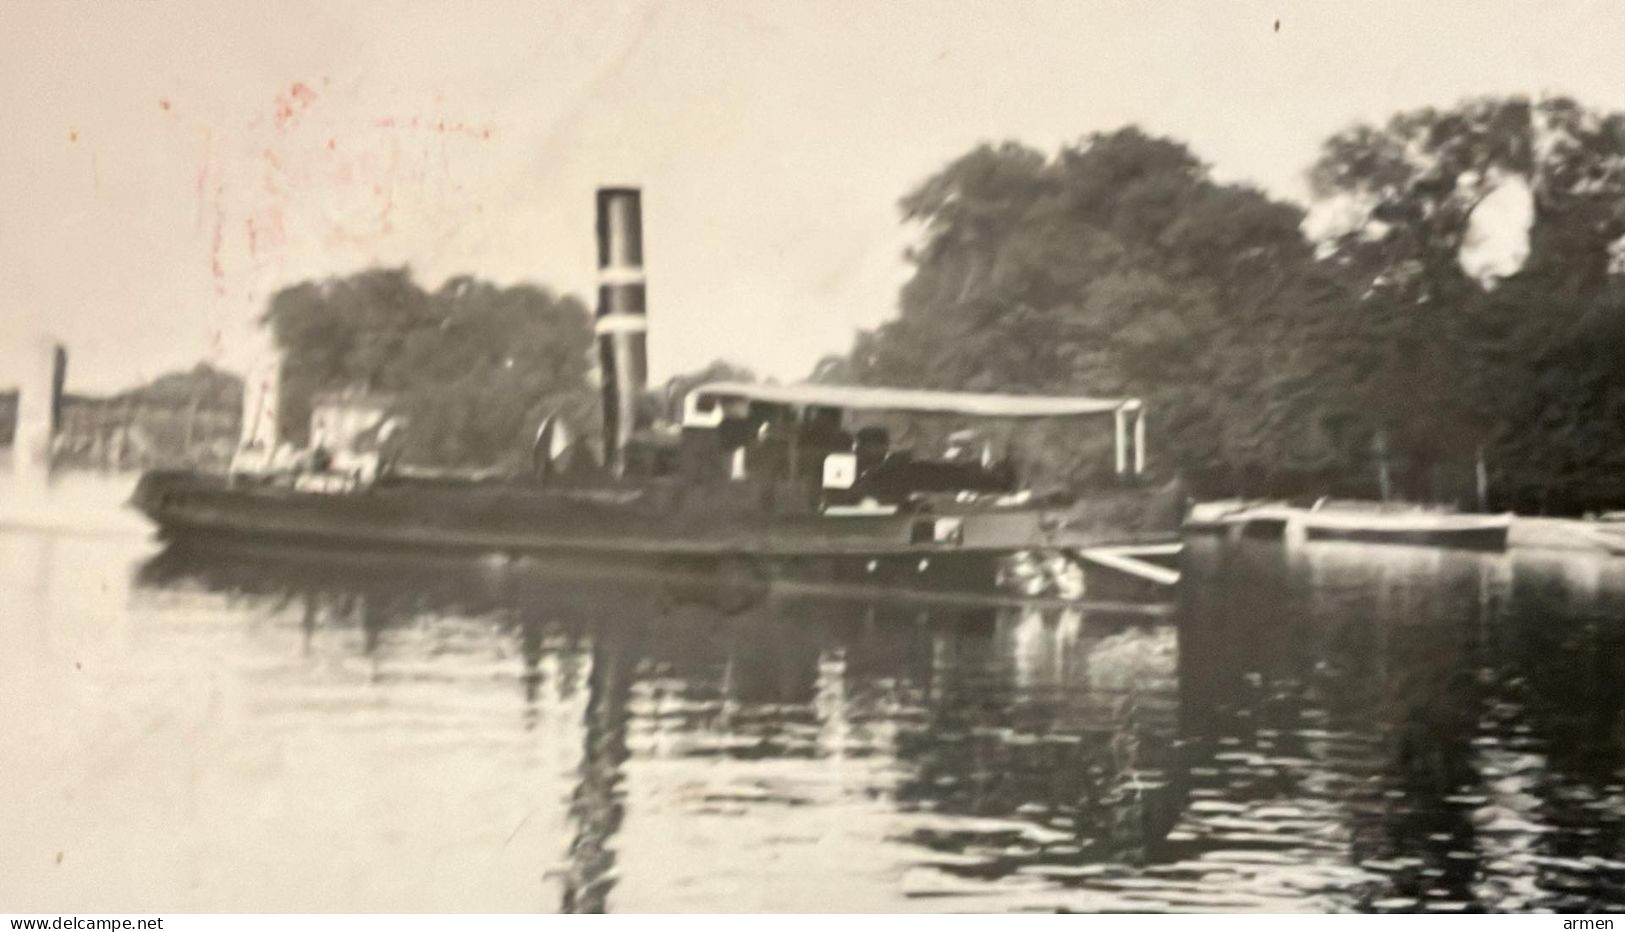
[[1381, 357], [473, 367]]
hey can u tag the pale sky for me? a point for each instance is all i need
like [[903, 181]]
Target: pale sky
[[167, 164]]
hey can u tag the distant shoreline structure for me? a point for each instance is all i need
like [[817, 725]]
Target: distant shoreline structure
[[189, 418]]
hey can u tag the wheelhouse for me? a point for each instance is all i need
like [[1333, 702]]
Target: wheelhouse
[[829, 447]]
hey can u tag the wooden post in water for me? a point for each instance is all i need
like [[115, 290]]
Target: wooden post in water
[[1139, 440], [259, 429], [1380, 444], [1122, 440], [39, 408], [190, 430], [1481, 472], [793, 454]]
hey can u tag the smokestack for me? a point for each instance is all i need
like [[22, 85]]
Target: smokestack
[[621, 323]]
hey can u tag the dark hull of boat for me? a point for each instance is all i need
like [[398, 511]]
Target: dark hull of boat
[[896, 550], [1487, 538]]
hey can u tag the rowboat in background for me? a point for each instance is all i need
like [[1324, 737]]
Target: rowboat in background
[[1422, 528]]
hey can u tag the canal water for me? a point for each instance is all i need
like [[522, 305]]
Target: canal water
[[1329, 728]]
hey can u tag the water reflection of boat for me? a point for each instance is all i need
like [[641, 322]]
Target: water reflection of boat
[[1346, 727], [957, 726]]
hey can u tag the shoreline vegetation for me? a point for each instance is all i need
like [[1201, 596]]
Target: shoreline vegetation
[[1390, 358], [1438, 324]]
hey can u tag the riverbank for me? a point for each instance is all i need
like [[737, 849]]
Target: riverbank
[[1566, 534], [1524, 533]]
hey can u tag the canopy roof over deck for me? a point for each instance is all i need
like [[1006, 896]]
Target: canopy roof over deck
[[863, 398], [700, 408]]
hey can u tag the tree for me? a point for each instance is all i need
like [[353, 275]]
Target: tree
[[1452, 358], [1119, 267], [341, 333], [474, 367]]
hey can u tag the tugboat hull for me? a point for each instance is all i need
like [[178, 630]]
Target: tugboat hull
[[944, 547]]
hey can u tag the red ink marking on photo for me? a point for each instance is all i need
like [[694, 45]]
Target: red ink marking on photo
[[287, 106], [215, 265]]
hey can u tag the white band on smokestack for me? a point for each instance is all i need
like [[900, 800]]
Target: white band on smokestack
[[621, 323], [620, 275]]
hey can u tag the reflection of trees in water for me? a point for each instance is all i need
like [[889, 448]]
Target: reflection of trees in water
[[1452, 722], [1038, 731], [543, 613], [1332, 679], [643, 658], [751, 685], [715, 685], [1565, 631], [1553, 737], [1458, 709], [1057, 723]]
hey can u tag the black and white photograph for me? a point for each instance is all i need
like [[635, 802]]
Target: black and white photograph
[[811, 456]]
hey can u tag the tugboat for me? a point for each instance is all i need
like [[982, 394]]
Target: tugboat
[[762, 475]]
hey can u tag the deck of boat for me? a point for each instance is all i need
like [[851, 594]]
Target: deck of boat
[[513, 518]]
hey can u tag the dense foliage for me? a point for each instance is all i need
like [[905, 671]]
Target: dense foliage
[[1118, 267], [1384, 358], [1513, 366], [474, 367]]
